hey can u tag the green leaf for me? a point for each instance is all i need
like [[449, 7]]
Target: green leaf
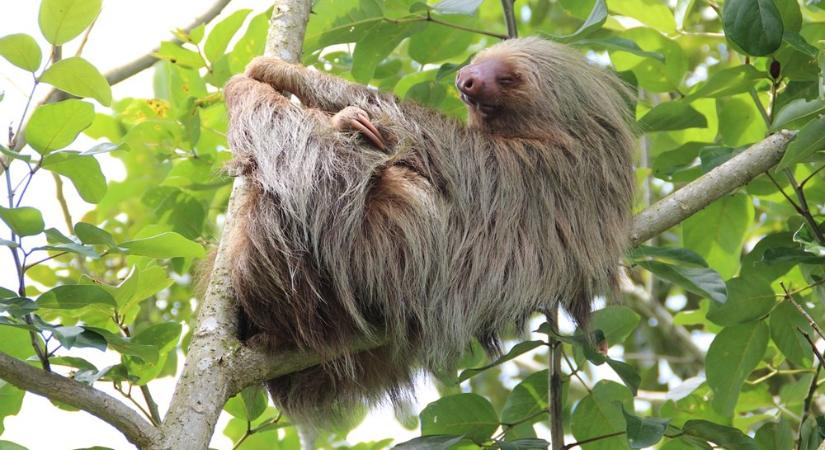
[[465, 7], [718, 232], [734, 80], [809, 140], [754, 25], [732, 356], [650, 12], [174, 53], [78, 77], [56, 125], [24, 221], [723, 436], [797, 112], [430, 443], [672, 255], [616, 322], [62, 20], [787, 325], [673, 115], [775, 436], [84, 171], [619, 44], [600, 413], [378, 44], [148, 353], [73, 296], [594, 21], [627, 373], [518, 349], [164, 245], [223, 32], [436, 43], [527, 400], [748, 299], [255, 401], [92, 235], [699, 280], [470, 415], [21, 50], [8, 445], [643, 432]]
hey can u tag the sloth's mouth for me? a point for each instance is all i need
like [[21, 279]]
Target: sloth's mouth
[[485, 109]]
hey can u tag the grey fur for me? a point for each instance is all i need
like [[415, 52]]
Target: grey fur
[[452, 233]]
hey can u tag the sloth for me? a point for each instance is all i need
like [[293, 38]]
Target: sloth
[[369, 218]]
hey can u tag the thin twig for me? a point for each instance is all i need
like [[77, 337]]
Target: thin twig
[[593, 439], [808, 178], [802, 311], [803, 206], [555, 382], [782, 191], [811, 389], [510, 17]]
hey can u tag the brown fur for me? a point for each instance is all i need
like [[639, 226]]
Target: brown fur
[[451, 233]]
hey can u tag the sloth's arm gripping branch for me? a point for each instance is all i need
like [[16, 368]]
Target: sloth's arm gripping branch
[[315, 89]]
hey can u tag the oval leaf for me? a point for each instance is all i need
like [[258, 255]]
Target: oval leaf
[[672, 116], [220, 36], [21, 50], [796, 112], [79, 77], [732, 356], [75, 296], [56, 125], [62, 20], [84, 171], [24, 221], [754, 25], [468, 414], [164, 245], [787, 325]]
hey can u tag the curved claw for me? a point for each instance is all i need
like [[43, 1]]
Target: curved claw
[[353, 118]]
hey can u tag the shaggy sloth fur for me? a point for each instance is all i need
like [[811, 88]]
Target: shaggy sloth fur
[[452, 232]]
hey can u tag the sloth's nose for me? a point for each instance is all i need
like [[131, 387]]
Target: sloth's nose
[[469, 83]]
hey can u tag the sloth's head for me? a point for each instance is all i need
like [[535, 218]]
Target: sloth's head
[[521, 86]]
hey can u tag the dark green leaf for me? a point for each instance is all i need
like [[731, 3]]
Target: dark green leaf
[[430, 443], [21, 50], [62, 20], [677, 255], [24, 221], [747, 300], [725, 437], [78, 77], [594, 21], [643, 432], [619, 44], [56, 125], [73, 296], [672, 116], [787, 325], [527, 400], [470, 415], [699, 280], [627, 373], [734, 80], [600, 413], [616, 322], [732, 356], [754, 25], [796, 113], [518, 349]]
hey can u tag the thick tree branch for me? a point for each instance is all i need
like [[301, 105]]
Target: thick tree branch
[[59, 388], [703, 191]]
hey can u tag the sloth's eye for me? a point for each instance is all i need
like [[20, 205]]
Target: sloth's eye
[[507, 80]]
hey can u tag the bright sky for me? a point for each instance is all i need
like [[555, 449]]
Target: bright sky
[[124, 30]]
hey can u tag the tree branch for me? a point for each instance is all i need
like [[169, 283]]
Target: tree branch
[[65, 390], [703, 191], [144, 62]]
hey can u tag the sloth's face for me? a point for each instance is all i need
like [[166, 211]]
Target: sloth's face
[[487, 84]]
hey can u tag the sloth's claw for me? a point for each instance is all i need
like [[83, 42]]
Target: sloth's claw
[[354, 118]]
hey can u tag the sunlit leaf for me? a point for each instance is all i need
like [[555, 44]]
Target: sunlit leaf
[[56, 125], [21, 50], [470, 415], [24, 221], [62, 20], [78, 77]]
